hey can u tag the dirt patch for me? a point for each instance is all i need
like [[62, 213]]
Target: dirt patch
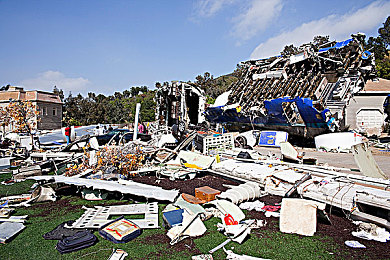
[[186, 246], [46, 209], [187, 186]]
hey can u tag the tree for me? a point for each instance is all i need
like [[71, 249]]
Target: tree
[[377, 46], [383, 67], [320, 40], [134, 91], [5, 119], [289, 50], [23, 116], [144, 89], [206, 83], [384, 32]]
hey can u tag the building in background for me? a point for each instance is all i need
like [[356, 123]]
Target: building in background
[[365, 111], [48, 104]]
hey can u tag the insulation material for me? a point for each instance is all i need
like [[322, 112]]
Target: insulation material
[[252, 205], [370, 231], [299, 216], [243, 192]]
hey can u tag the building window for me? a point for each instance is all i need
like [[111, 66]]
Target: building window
[[44, 111], [54, 111]]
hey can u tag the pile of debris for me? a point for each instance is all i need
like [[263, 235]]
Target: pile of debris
[[98, 171], [304, 94]]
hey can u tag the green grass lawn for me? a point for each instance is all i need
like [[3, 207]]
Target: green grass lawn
[[153, 243]]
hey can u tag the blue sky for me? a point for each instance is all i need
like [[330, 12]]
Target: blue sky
[[107, 46]]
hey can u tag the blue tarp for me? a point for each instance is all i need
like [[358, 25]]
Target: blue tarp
[[338, 45]]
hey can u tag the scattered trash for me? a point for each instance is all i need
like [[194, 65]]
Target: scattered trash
[[202, 257], [61, 232], [233, 256], [338, 142], [118, 254], [254, 205], [354, 244], [366, 162], [173, 217], [206, 193], [371, 232], [192, 226]]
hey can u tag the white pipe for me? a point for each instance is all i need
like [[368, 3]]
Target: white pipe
[[137, 109]]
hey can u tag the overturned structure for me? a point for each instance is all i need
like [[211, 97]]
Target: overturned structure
[[180, 102], [304, 94]]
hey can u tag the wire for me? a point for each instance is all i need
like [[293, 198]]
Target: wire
[[103, 249]]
